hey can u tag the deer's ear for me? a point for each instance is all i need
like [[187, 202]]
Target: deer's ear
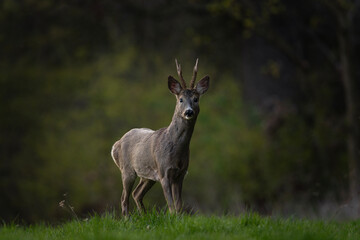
[[203, 85], [174, 85]]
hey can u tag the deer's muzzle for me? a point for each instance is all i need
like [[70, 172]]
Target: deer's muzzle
[[189, 113]]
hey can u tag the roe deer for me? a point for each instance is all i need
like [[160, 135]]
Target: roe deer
[[161, 155]]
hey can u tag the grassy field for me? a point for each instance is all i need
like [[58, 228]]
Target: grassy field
[[165, 226]]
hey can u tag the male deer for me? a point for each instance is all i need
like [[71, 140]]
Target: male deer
[[161, 155]]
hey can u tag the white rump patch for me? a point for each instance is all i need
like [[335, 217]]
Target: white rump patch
[[112, 154]]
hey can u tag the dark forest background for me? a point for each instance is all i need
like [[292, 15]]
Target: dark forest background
[[278, 131]]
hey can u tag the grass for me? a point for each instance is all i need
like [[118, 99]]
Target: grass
[[165, 226]]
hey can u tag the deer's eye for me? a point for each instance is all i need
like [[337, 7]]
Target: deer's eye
[[196, 99], [181, 100]]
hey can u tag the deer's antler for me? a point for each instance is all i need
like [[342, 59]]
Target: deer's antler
[[192, 83], [178, 68]]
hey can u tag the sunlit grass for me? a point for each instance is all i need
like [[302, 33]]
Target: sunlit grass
[[165, 226]]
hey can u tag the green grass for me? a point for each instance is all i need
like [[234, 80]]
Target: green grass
[[166, 226]]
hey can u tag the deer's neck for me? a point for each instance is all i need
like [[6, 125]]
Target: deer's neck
[[180, 131]]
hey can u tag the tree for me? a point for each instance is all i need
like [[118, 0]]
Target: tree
[[261, 19], [345, 12]]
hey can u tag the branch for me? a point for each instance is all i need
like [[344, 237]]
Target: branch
[[284, 47], [329, 55]]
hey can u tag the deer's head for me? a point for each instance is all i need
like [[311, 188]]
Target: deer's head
[[187, 105]]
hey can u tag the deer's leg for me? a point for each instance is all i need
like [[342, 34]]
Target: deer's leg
[[136, 192], [128, 182], [141, 189], [176, 188], [166, 186]]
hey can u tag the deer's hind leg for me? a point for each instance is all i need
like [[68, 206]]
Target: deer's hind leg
[[141, 189], [128, 182]]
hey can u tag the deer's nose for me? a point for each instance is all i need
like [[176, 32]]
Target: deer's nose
[[189, 113]]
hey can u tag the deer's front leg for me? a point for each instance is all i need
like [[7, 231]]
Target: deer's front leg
[[176, 191], [176, 188], [166, 186]]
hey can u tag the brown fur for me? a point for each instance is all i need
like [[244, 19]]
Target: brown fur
[[161, 155]]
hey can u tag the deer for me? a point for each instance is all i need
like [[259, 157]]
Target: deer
[[161, 155]]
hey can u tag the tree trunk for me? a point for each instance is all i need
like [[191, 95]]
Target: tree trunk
[[352, 114]]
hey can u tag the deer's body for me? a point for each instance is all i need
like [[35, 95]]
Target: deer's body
[[162, 155]]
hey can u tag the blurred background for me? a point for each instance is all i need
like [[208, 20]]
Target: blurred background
[[278, 131]]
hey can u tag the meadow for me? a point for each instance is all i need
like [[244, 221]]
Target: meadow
[[165, 226]]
